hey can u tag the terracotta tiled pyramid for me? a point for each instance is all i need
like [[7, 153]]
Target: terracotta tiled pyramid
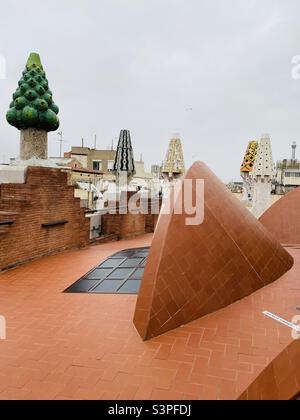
[[283, 219], [195, 270], [279, 380]]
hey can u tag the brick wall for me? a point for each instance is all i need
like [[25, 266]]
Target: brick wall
[[129, 225], [45, 198], [151, 222], [153, 215], [123, 225]]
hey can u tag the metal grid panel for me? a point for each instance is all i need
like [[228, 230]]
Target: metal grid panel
[[122, 274]]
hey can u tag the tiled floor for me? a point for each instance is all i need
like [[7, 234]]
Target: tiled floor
[[73, 346]]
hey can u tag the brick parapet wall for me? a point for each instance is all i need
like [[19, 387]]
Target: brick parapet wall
[[45, 198], [129, 225]]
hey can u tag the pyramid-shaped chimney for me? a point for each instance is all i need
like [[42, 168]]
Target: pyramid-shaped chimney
[[282, 218], [124, 162], [193, 271], [263, 174], [173, 166]]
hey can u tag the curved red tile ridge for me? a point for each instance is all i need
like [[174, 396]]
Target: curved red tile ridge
[[280, 380], [193, 271], [283, 220]]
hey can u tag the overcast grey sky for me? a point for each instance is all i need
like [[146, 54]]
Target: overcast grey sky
[[140, 64]]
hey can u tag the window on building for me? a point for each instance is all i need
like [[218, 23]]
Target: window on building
[[292, 174], [97, 165], [110, 165]]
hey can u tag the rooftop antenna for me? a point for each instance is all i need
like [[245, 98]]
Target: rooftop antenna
[[82, 142], [95, 143], [60, 134], [294, 147]]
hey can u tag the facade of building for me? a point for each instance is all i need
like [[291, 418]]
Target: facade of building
[[236, 187], [94, 172], [87, 183], [156, 171], [92, 159], [287, 175], [145, 181]]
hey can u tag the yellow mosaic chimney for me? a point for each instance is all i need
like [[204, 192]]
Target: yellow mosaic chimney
[[250, 157]]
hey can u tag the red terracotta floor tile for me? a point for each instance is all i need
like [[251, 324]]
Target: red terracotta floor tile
[[64, 346]]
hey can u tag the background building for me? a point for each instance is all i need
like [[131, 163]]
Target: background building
[[93, 159], [156, 171], [288, 173]]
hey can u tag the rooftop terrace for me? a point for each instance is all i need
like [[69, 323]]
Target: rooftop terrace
[[85, 346]]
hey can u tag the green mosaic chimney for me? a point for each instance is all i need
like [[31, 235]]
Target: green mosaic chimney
[[33, 105]]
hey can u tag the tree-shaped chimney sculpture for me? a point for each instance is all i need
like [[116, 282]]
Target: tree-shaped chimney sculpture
[[33, 111]]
